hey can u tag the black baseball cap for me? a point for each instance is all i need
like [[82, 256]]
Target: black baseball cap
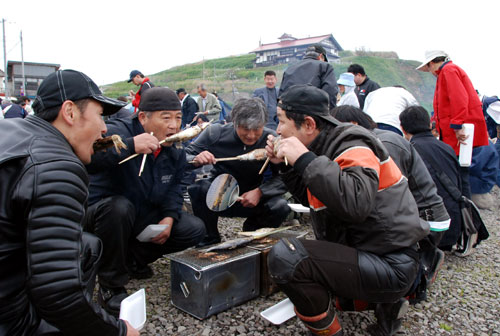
[[307, 99], [159, 99], [133, 73], [73, 85], [319, 49]]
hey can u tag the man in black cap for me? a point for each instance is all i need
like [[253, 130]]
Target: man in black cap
[[365, 220], [47, 265], [313, 69], [138, 79], [122, 203]]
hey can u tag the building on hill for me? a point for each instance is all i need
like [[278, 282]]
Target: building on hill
[[2, 75], [34, 74], [290, 49]]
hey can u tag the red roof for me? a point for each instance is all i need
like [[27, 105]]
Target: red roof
[[294, 43]]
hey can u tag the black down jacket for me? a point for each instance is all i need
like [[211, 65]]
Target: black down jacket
[[42, 202]]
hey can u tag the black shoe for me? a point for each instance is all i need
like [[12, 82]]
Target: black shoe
[[111, 298], [140, 272], [209, 241], [436, 266], [389, 317]]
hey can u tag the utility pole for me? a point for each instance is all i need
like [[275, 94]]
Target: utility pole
[[6, 86], [23, 86]]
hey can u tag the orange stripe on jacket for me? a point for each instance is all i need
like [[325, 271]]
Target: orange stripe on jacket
[[388, 172]]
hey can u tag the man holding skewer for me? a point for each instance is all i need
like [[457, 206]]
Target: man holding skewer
[[123, 204], [261, 202]]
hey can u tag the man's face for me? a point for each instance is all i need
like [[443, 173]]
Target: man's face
[[249, 136], [202, 93], [433, 68], [358, 79], [286, 127], [137, 80], [181, 95], [270, 81], [162, 123], [88, 127]]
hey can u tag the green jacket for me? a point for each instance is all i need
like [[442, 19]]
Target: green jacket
[[212, 106]]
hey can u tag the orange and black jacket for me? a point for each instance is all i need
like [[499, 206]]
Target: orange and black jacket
[[357, 194]]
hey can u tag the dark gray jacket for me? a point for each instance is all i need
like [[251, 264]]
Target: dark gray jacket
[[357, 194], [43, 201], [312, 71], [222, 141]]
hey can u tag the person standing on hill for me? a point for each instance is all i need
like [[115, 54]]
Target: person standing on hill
[[364, 85], [269, 94], [346, 87], [314, 69], [138, 79], [208, 104], [455, 103], [189, 106]]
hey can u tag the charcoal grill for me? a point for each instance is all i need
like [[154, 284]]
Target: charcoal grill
[[203, 284]]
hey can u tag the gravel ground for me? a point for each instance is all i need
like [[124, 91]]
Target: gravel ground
[[465, 299]]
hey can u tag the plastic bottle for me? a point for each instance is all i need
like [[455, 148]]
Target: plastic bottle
[[465, 153]]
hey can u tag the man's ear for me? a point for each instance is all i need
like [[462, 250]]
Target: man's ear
[[68, 112], [309, 124], [142, 117]]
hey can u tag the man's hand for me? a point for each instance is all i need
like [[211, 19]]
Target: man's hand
[[205, 113], [251, 198], [291, 148], [270, 150], [131, 93], [161, 238], [130, 330], [145, 143], [204, 158], [461, 136]]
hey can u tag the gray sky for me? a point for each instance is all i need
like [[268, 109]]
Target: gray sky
[[107, 39]]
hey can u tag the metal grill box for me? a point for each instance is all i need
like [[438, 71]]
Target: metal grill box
[[203, 284], [264, 245]]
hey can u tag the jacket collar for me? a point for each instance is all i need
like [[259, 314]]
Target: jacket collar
[[442, 66], [37, 121], [425, 134]]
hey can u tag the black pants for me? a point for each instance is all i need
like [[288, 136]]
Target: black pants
[[116, 222], [328, 269], [270, 212]]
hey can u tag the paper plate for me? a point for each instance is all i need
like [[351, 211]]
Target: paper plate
[[133, 309], [298, 208], [280, 312]]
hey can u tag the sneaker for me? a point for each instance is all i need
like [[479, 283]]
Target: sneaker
[[111, 298], [436, 266], [465, 246], [389, 317], [140, 272]]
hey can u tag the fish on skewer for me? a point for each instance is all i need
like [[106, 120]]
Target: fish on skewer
[[187, 134], [258, 154], [108, 142]]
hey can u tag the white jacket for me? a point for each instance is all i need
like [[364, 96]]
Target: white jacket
[[349, 97], [386, 104]]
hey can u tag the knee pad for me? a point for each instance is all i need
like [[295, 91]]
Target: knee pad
[[284, 258]]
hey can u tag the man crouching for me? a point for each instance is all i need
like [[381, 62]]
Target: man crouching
[[122, 203], [363, 215]]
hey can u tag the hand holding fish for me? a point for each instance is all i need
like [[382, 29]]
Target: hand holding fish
[[204, 158], [145, 143], [290, 148]]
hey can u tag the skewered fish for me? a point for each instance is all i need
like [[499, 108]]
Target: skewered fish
[[108, 142], [258, 154], [182, 136]]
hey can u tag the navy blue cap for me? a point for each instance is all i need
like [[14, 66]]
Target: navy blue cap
[[134, 73]]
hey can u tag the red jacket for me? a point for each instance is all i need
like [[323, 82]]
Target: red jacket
[[146, 84], [455, 103]]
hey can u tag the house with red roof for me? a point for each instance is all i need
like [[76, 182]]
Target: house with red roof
[[290, 49]]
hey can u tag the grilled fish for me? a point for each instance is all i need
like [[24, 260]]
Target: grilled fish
[[108, 142]]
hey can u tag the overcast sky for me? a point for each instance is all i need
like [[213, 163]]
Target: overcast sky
[[107, 39]]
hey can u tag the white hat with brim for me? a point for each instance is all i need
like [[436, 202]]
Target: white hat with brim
[[429, 56], [346, 79]]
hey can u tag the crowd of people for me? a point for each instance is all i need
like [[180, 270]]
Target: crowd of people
[[385, 194]]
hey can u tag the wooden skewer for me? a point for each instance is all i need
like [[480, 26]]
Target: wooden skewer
[[264, 166], [143, 161]]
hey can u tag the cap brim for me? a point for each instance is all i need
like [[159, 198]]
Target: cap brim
[[131, 79], [329, 118], [423, 67], [110, 105]]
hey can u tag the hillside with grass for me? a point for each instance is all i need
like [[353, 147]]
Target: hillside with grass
[[234, 77]]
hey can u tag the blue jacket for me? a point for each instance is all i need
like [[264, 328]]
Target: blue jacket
[[263, 94], [483, 170], [490, 123], [158, 186]]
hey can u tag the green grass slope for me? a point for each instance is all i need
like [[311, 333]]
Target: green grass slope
[[235, 76]]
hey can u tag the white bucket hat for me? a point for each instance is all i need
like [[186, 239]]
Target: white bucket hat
[[346, 79], [429, 56]]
